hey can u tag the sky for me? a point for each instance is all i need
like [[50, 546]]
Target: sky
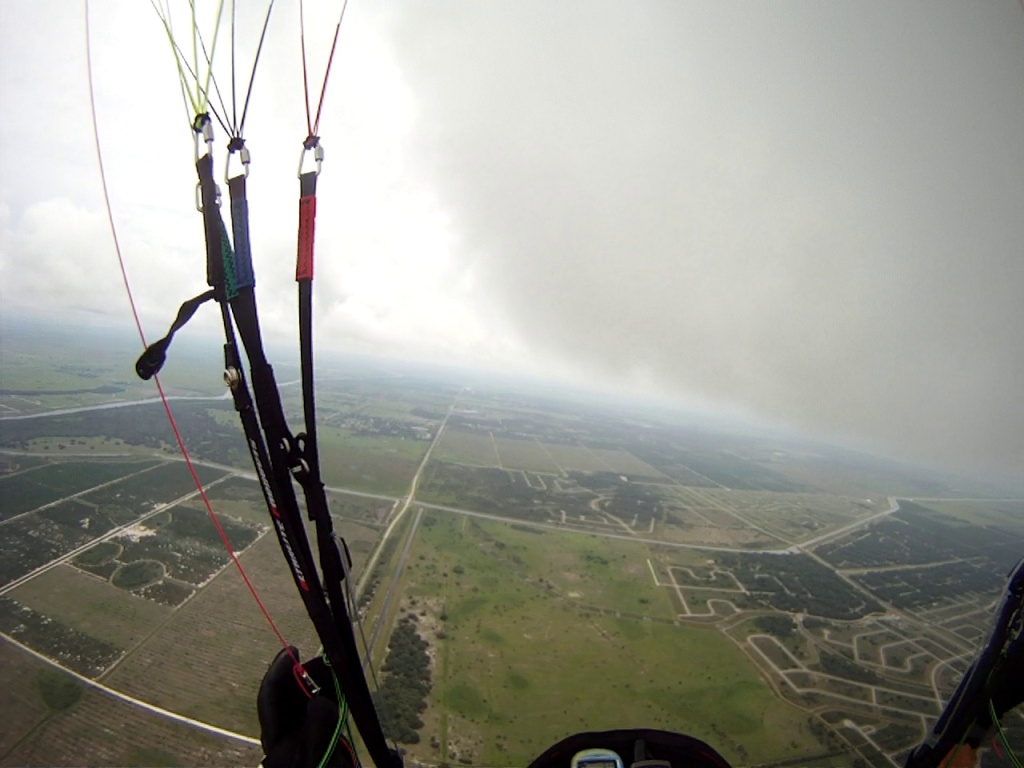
[[807, 214]]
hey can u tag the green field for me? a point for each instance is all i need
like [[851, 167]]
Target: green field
[[544, 634], [373, 464]]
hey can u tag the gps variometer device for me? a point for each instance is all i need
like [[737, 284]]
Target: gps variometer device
[[596, 758]]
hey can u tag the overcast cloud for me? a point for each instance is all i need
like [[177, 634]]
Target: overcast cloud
[[810, 213]]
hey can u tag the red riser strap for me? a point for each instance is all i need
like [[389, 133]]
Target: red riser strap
[[307, 225]]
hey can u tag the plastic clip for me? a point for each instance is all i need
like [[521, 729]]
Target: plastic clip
[[312, 143]]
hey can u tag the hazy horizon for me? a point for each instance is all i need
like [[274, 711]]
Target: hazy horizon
[[190, 349]]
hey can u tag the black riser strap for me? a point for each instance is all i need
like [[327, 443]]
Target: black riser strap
[[332, 623], [280, 453]]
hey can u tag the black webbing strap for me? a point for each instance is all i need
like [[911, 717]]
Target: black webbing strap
[[155, 355], [304, 277], [287, 456], [308, 472]]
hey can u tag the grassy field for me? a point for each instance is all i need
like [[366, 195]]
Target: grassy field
[[377, 464], [479, 448], [543, 635], [89, 605]]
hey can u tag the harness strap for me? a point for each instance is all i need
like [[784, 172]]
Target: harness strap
[[155, 355]]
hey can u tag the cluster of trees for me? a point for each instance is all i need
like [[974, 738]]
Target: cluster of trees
[[486, 489], [58, 689], [838, 666], [778, 626], [703, 462], [885, 542], [912, 589], [144, 425], [376, 426], [797, 584], [402, 696], [957, 538]]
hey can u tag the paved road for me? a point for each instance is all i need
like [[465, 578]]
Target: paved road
[[361, 585]]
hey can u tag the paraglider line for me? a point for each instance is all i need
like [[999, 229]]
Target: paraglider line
[[313, 125], [252, 77]]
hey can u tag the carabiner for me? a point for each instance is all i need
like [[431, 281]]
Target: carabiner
[[237, 144], [312, 143], [202, 127]]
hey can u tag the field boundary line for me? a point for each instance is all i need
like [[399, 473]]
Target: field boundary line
[[209, 728]]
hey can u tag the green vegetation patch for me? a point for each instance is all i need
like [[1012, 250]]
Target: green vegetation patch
[[369, 463], [780, 626], [32, 541], [462, 446], [796, 583], [98, 554], [163, 484], [79, 516], [510, 566], [194, 524], [167, 592], [402, 695], [185, 542], [59, 690], [140, 573]]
